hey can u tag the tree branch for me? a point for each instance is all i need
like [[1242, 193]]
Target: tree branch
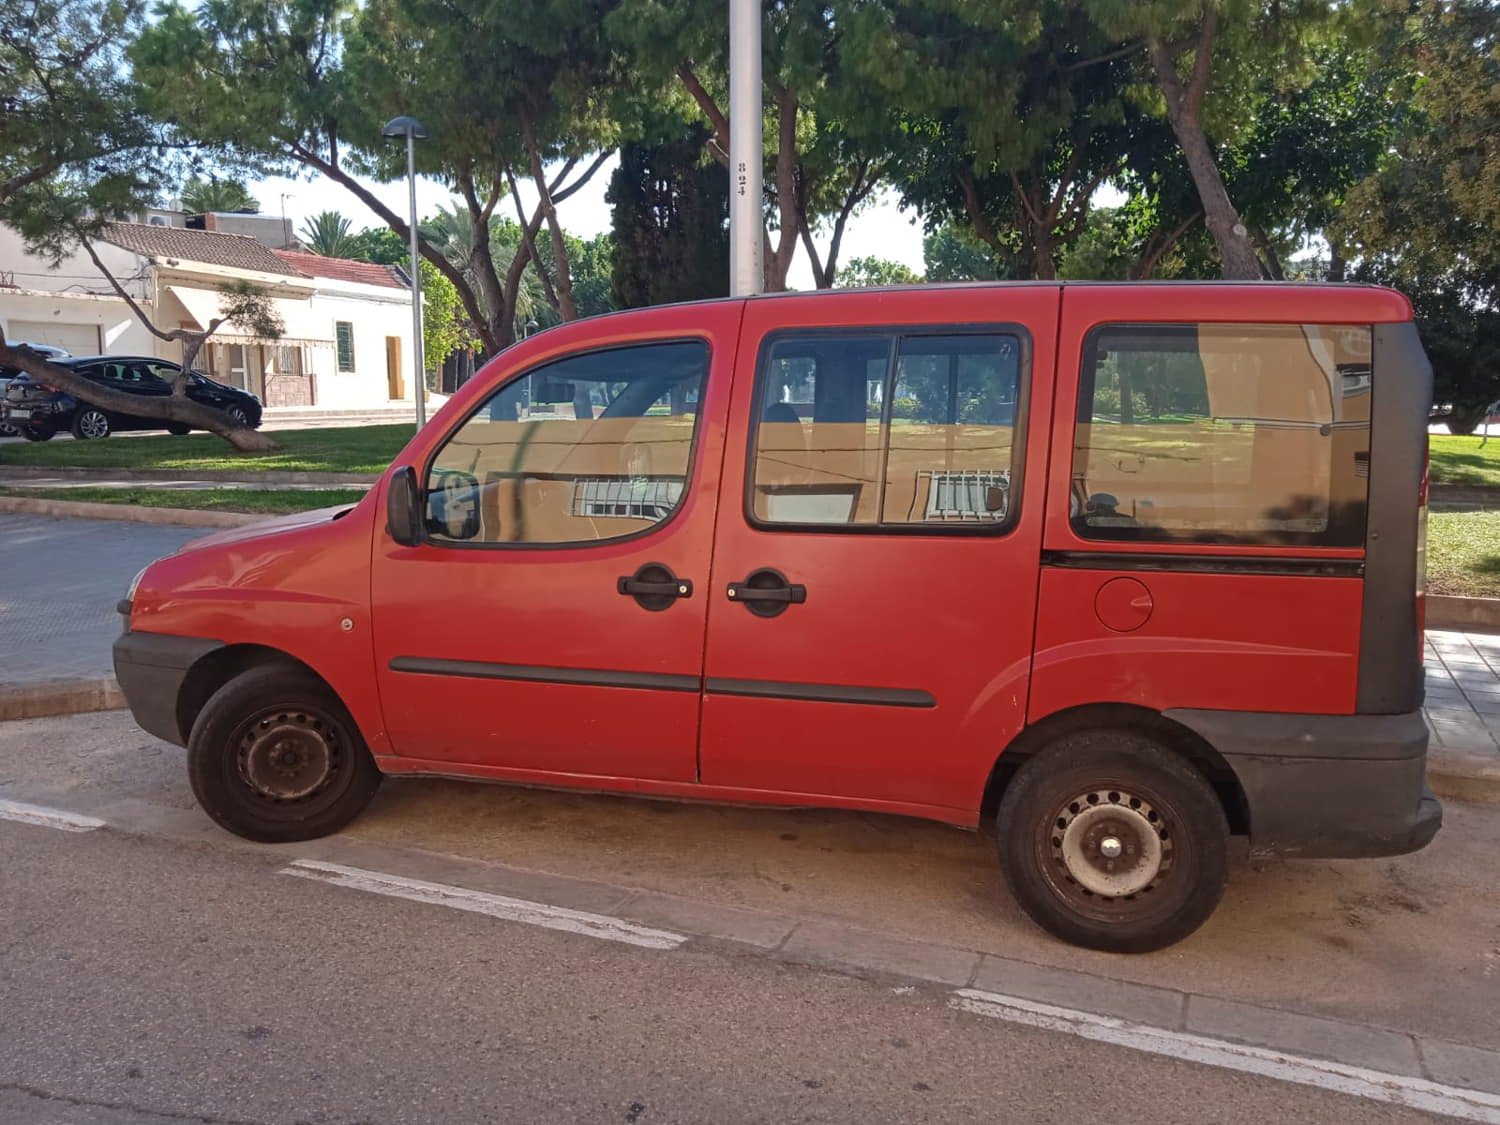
[[707, 104]]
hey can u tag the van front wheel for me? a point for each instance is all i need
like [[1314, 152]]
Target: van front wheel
[[1110, 841], [275, 757]]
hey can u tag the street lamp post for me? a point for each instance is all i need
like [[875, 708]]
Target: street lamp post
[[413, 130], [746, 223]]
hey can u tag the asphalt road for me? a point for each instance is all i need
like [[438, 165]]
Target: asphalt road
[[144, 981]]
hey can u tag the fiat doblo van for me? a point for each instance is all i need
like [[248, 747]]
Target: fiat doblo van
[[1125, 570]]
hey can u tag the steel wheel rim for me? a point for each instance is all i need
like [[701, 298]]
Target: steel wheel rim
[[93, 424], [237, 413], [1108, 849], [290, 755]]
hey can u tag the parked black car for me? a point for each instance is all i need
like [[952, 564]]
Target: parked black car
[[7, 427], [39, 411]]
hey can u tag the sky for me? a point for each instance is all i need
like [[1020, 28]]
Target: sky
[[880, 230]]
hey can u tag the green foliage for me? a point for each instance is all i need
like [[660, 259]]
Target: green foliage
[[327, 233], [75, 147], [877, 271], [338, 449], [670, 213], [445, 327], [200, 196], [252, 309], [952, 253], [380, 245]]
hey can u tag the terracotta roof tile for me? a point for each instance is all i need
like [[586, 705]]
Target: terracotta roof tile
[[237, 251], [341, 269]]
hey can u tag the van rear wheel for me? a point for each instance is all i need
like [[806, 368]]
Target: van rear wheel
[[275, 757], [1110, 841]]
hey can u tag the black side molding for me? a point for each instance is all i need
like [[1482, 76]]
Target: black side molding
[[1205, 564], [821, 693], [542, 674]]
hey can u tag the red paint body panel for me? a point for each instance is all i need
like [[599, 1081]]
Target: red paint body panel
[[949, 615]]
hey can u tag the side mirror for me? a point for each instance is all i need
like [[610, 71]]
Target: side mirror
[[453, 506], [402, 508]]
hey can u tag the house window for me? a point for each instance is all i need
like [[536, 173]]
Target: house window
[[288, 360], [344, 333]]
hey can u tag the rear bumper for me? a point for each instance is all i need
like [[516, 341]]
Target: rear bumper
[[1328, 786], [151, 668]]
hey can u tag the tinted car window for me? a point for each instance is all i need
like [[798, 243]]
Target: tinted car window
[[590, 448], [1224, 433]]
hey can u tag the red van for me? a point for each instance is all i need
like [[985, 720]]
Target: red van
[[1122, 569]]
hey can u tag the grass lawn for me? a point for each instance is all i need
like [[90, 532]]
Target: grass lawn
[[1463, 553], [340, 449], [270, 501], [1459, 460]]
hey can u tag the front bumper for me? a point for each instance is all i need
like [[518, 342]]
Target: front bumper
[[1327, 786], [151, 669]]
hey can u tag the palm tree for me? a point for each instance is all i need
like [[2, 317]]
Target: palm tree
[[200, 196], [328, 234]]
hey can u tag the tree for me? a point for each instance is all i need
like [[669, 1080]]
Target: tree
[[200, 196], [327, 233], [826, 142], [877, 271], [505, 89], [70, 118], [670, 221], [952, 253], [380, 245], [445, 328]]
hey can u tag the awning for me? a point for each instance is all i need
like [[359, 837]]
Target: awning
[[202, 307]]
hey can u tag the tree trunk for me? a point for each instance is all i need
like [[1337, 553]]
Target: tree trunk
[[1185, 111], [171, 408], [561, 279]]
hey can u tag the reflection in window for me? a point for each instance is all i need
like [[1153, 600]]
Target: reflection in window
[[1224, 433], [590, 448], [886, 430]]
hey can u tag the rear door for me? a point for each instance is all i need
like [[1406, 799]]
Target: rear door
[[875, 565]]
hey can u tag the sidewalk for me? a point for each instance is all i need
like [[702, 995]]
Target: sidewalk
[[62, 578]]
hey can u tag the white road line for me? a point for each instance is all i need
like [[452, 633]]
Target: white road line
[[478, 902], [48, 818], [1395, 1089]]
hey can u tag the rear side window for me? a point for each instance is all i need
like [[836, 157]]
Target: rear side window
[[886, 430], [1224, 433]]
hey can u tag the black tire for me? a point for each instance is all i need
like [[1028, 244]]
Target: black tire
[[177, 429], [1100, 794], [31, 434], [90, 424], [239, 416], [275, 757]]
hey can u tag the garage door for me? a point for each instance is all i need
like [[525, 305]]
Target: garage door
[[77, 339]]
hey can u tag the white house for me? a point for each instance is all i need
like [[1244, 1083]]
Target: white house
[[346, 341]]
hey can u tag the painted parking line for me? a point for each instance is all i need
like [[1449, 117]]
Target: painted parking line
[[1359, 1082], [48, 818], [480, 902]]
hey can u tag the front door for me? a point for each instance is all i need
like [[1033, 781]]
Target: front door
[[875, 568], [552, 622], [395, 385]]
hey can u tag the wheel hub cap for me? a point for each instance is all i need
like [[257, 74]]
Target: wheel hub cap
[[288, 756], [1111, 844]]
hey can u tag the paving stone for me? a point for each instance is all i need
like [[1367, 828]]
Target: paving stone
[[1158, 1007], [1390, 1051], [1455, 1064]]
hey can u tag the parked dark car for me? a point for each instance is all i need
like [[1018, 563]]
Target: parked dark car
[[39, 411], [7, 427]]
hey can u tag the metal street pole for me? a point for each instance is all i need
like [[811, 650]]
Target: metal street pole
[[413, 130], [746, 223], [416, 285]]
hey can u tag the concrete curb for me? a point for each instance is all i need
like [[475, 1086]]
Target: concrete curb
[[1468, 615], [223, 476], [77, 509], [1464, 775], [60, 697]]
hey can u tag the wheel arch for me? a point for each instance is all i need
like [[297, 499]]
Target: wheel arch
[[215, 669], [1037, 737]]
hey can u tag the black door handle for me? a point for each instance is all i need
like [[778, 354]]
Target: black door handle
[[654, 586], [767, 592]]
